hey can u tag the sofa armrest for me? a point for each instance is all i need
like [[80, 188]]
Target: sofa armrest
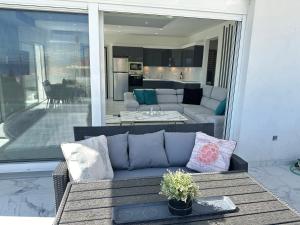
[[238, 164], [130, 102], [60, 180]]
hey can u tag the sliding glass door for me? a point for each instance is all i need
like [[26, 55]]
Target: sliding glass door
[[44, 82]]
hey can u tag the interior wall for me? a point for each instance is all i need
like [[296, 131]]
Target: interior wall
[[271, 101]]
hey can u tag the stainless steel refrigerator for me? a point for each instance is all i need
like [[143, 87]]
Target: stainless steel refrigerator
[[120, 76]]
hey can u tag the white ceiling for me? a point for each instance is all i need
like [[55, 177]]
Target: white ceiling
[[155, 25]]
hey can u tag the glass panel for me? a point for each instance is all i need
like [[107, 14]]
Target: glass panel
[[44, 82]]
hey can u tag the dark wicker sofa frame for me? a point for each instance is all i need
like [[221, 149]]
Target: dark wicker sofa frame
[[61, 174]]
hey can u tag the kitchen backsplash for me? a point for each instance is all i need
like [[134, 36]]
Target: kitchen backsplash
[[173, 73]]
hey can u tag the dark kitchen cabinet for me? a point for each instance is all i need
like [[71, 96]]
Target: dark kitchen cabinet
[[187, 57], [176, 57], [152, 57], [134, 54], [192, 56]]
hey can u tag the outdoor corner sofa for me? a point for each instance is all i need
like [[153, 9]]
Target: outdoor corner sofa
[[171, 100], [61, 174]]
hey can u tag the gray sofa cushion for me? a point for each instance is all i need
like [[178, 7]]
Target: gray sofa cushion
[[207, 89], [179, 91], [117, 149], [171, 107], [147, 151], [165, 91], [218, 93], [179, 99], [147, 172], [179, 147], [191, 110], [210, 103], [161, 99]]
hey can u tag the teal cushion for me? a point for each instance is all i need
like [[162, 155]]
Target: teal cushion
[[150, 97], [220, 110], [139, 95]]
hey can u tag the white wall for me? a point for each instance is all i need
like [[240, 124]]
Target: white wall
[[271, 101]]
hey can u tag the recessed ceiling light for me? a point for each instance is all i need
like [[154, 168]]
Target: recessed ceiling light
[[119, 31], [156, 33], [146, 22], [161, 28]]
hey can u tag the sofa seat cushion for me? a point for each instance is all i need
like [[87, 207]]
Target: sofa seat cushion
[[148, 107], [145, 173], [171, 107], [191, 110]]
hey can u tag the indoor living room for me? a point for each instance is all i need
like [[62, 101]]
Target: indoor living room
[[186, 64]]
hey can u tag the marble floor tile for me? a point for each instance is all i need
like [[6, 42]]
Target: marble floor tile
[[281, 182], [31, 196]]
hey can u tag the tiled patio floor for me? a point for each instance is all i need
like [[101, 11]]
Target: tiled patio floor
[[281, 182], [32, 194]]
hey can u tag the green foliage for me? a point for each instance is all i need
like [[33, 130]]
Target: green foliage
[[178, 185]]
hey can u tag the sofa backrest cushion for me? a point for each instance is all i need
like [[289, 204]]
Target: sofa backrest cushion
[[210, 103], [179, 147], [147, 151], [212, 96], [165, 91], [179, 93], [118, 151], [166, 96], [218, 93], [167, 99], [207, 90]]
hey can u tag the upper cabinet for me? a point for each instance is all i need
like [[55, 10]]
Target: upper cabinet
[[192, 56], [187, 57], [132, 53], [152, 57]]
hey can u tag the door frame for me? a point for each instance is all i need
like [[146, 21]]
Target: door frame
[[95, 10]]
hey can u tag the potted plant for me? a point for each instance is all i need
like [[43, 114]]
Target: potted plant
[[180, 190]]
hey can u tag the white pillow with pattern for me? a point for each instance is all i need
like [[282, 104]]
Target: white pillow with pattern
[[211, 154], [88, 159]]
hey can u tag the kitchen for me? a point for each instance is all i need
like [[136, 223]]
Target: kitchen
[[137, 67]]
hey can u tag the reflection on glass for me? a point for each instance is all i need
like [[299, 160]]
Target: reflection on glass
[[44, 82]]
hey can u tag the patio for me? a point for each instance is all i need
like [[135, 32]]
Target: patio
[[32, 194]]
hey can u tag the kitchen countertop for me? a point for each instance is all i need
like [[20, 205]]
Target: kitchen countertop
[[179, 81]]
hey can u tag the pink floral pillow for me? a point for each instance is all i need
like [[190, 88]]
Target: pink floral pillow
[[210, 154]]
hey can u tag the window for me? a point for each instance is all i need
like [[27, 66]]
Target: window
[[44, 82]]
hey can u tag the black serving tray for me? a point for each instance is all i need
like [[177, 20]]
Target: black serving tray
[[149, 212]]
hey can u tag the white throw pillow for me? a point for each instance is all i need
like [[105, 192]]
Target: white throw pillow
[[211, 154], [88, 159]]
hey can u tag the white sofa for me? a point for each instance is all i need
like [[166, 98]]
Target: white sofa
[[171, 100]]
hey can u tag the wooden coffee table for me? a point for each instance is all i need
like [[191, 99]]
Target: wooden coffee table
[[134, 117], [91, 203]]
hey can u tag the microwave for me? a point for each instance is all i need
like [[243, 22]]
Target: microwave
[[135, 67]]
